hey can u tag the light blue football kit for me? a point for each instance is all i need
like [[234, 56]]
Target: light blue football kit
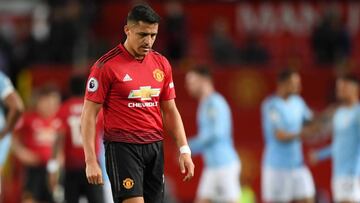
[[345, 152], [220, 178], [288, 116], [5, 89], [285, 177]]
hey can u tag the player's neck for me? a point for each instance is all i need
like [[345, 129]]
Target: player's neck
[[207, 91], [351, 101], [283, 94], [45, 115], [132, 52]]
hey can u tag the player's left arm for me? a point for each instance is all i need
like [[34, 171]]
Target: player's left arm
[[217, 118], [320, 155], [56, 162], [174, 126], [15, 108], [318, 125]]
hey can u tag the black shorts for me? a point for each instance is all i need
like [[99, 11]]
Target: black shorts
[[136, 170], [76, 186], [36, 185]]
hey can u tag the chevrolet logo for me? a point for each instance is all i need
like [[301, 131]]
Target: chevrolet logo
[[144, 93]]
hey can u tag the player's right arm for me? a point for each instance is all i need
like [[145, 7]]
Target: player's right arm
[[88, 133], [25, 155], [98, 85], [12, 102]]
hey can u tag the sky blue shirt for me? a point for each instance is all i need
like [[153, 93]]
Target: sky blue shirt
[[345, 147], [214, 139], [5, 89], [288, 116]]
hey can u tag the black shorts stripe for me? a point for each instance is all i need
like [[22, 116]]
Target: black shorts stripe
[[114, 166]]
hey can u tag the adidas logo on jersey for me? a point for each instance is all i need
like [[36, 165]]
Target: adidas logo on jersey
[[127, 78]]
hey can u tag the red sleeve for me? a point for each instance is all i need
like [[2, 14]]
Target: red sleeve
[[62, 115], [168, 92], [98, 84], [20, 127]]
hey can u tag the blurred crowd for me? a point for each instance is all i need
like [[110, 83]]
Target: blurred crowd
[[54, 31], [50, 32]]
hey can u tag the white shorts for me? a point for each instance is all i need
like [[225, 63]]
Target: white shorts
[[220, 184], [286, 185], [346, 189]]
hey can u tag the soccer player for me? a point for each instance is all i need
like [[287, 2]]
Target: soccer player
[[285, 178], [33, 139], [133, 84], [70, 144], [345, 147], [220, 180], [14, 107]]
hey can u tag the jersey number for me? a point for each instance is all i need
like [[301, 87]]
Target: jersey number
[[74, 123]]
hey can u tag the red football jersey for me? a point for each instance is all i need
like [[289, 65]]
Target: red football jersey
[[38, 134], [130, 91], [70, 113]]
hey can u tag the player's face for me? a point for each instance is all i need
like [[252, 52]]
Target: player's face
[[345, 90], [192, 84], [294, 84], [340, 89], [48, 105], [141, 37]]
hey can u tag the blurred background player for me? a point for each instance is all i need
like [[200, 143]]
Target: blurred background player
[[70, 144], [220, 180], [285, 178], [10, 111], [345, 147], [34, 138]]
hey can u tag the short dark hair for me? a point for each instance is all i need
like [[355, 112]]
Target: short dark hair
[[202, 70], [77, 85], [285, 74], [350, 77], [47, 90], [143, 12]]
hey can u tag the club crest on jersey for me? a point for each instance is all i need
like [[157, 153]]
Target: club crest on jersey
[[158, 75], [92, 85], [128, 183], [144, 93]]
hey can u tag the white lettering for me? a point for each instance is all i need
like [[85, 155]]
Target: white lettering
[[142, 104], [286, 17]]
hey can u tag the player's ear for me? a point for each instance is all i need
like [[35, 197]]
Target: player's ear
[[126, 30]]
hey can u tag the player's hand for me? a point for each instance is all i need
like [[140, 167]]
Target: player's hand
[[94, 173], [53, 180], [186, 166]]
